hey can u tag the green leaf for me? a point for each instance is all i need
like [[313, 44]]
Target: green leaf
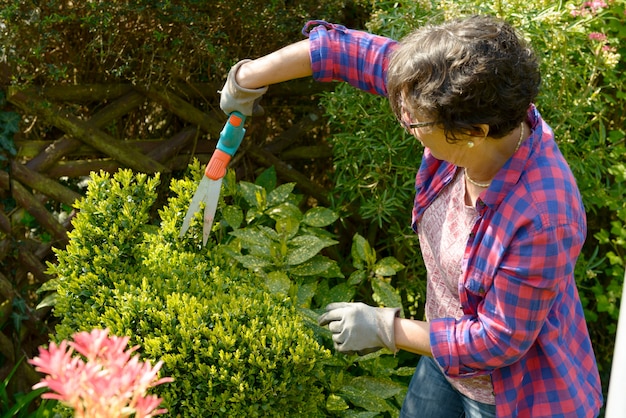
[[336, 403], [333, 271], [305, 294], [10, 122], [285, 210], [48, 301], [363, 255], [263, 251], [341, 293], [360, 414], [383, 387], [404, 371], [254, 195], [280, 194], [385, 294], [50, 285], [267, 179], [365, 399], [287, 227], [278, 282], [269, 232], [252, 263], [319, 217], [388, 266], [233, 215], [311, 317], [303, 248], [316, 266], [357, 277], [251, 236], [619, 171]]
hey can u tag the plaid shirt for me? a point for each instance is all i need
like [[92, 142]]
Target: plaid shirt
[[524, 323]]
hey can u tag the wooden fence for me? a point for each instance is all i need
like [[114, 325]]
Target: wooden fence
[[69, 131]]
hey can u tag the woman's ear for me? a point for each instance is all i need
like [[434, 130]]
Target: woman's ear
[[480, 131]]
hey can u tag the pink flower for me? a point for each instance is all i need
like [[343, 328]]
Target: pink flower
[[589, 7], [597, 36], [103, 380]]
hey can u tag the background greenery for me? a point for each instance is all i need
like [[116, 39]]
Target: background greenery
[[361, 247]]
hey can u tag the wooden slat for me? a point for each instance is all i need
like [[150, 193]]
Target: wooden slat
[[6, 288], [30, 263], [81, 93], [29, 148], [67, 144], [44, 185], [169, 149], [82, 168], [86, 132], [27, 201], [5, 224], [185, 110]]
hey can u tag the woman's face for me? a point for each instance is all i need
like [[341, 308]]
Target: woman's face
[[433, 137]]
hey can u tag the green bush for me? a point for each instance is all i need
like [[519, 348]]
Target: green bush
[[235, 323], [260, 225], [233, 348], [148, 41]]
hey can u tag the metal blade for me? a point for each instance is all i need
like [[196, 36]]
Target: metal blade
[[194, 206], [212, 198]]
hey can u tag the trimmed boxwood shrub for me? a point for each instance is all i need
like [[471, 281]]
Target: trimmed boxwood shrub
[[233, 348]]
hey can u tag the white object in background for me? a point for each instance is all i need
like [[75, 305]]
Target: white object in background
[[616, 399]]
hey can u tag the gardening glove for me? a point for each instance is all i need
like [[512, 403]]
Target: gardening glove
[[357, 327], [234, 97]]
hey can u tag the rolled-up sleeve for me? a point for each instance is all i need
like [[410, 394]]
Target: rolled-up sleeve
[[356, 57]]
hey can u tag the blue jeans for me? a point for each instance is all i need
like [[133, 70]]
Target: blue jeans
[[430, 395]]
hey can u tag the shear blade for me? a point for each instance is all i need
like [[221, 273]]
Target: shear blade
[[212, 197], [194, 206]]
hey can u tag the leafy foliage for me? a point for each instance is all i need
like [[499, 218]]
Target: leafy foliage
[[147, 41], [271, 237], [232, 347], [9, 126], [23, 404]]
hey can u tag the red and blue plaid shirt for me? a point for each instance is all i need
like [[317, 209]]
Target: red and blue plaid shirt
[[524, 323]]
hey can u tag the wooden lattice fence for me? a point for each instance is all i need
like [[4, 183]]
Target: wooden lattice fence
[[69, 131]]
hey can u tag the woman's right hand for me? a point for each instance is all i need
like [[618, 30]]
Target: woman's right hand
[[241, 99]]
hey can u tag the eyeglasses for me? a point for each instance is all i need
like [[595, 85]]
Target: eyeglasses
[[420, 124], [406, 117]]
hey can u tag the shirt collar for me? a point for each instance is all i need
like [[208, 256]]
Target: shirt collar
[[512, 171]]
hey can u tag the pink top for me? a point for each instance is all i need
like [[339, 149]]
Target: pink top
[[443, 233]]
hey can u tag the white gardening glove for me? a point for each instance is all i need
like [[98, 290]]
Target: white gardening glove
[[357, 327], [236, 98]]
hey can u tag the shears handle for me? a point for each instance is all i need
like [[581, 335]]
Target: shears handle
[[230, 139]]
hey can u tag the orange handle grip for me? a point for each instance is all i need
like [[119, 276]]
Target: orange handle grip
[[216, 168]]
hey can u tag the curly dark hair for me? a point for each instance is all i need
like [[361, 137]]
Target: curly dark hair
[[465, 72]]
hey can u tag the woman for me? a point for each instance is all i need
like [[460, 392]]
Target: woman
[[497, 210]]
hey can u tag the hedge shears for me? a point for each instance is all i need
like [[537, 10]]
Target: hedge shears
[[208, 190]]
